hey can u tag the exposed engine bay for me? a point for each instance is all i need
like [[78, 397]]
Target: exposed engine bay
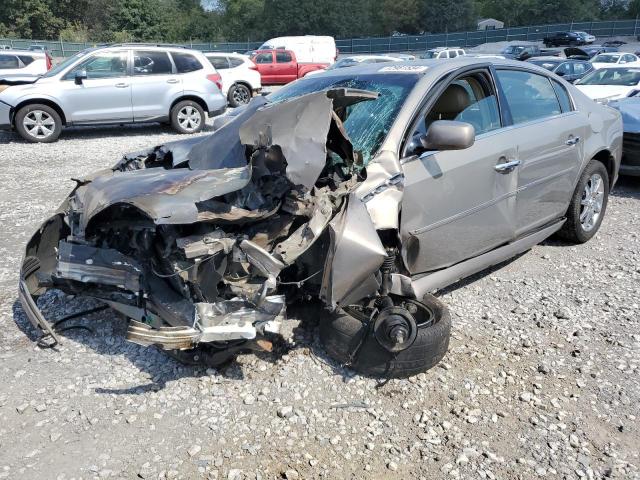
[[205, 241]]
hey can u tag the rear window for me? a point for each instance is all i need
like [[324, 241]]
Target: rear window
[[235, 62], [9, 61], [185, 62], [220, 63]]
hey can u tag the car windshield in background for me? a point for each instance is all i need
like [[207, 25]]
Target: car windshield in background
[[513, 50], [627, 77], [548, 65], [61, 66], [606, 58], [367, 122]]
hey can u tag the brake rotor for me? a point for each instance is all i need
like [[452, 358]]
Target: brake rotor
[[395, 329]]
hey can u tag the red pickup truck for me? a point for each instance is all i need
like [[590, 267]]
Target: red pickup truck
[[281, 66]]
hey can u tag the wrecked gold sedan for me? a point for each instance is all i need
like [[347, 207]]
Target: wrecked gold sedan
[[366, 188]]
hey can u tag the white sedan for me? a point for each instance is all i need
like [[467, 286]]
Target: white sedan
[[611, 83], [240, 76], [23, 62], [615, 59]]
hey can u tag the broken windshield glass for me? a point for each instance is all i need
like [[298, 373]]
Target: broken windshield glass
[[367, 123]]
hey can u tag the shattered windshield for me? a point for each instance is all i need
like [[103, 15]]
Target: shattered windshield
[[368, 122]]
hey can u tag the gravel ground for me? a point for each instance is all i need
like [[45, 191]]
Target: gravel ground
[[541, 379]]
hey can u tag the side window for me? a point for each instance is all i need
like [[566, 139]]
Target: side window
[[102, 65], [26, 59], [185, 62], [564, 69], [9, 61], [283, 57], [563, 97], [579, 68], [470, 99], [453, 54], [235, 62], [264, 58], [151, 63], [628, 58], [529, 96], [220, 63]]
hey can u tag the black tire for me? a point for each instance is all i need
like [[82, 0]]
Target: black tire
[[193, 111], [239, 94], [574, 230], [51, 122], [342, 333]]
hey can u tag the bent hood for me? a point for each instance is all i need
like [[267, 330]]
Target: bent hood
[[18, 79]]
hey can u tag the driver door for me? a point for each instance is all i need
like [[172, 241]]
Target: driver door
[[105, 95], [458, 204]]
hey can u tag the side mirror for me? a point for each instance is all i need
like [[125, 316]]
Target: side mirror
[[80, 76], [448, 135]]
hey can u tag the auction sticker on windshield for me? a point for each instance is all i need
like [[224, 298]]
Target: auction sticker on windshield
[[404, 68]]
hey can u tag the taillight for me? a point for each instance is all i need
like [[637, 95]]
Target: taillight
[[215, 78], [252, 66], [49, 64]]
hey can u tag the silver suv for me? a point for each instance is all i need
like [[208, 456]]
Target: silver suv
[[127, 83]]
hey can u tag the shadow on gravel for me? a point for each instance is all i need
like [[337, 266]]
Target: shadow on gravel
[[627, 187], [89, 132]]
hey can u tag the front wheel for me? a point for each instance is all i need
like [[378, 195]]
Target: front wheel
[[588, 204], [38, 123], [187, 117]]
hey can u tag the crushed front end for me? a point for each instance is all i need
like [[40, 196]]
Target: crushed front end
[[204, 241]]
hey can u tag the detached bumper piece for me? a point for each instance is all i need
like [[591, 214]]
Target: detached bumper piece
[[215, 322]]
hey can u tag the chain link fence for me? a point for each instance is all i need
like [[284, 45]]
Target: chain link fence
[[405, 43]]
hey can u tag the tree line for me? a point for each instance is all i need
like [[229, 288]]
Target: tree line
[[254, 20]]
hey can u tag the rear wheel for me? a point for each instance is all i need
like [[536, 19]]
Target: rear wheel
[[38, 123], [187, 117], [239, 95], [588, 204]]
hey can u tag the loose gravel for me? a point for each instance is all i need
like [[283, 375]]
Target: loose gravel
[[541, 379]]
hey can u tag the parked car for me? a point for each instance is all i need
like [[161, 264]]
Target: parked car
[[442, 53], [401, 56], [587, 52], [354, 60], [23, 62], [614, 43], [307, 48], [570, 70], [630, 110], [560, 39], [201, 242], [113, 85], [38, 48], [586, 37], [525, 51], [240, 76], [612, 59], [5, 47], [278, 67], [610, 83]]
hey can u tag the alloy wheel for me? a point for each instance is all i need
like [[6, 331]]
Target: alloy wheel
[[241, 95], [591, 203], [189, 118], [39, 124]]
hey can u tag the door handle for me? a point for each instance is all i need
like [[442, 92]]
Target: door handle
[[122, 85], [173, 80], [507, 166], [572, 141]]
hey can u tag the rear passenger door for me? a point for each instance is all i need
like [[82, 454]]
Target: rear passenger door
[[286, 68], [154, 85], [549, 134]]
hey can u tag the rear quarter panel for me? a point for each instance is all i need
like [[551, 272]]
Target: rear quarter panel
[[605, 133]]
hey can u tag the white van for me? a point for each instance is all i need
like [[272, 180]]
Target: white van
[[307, 48]]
